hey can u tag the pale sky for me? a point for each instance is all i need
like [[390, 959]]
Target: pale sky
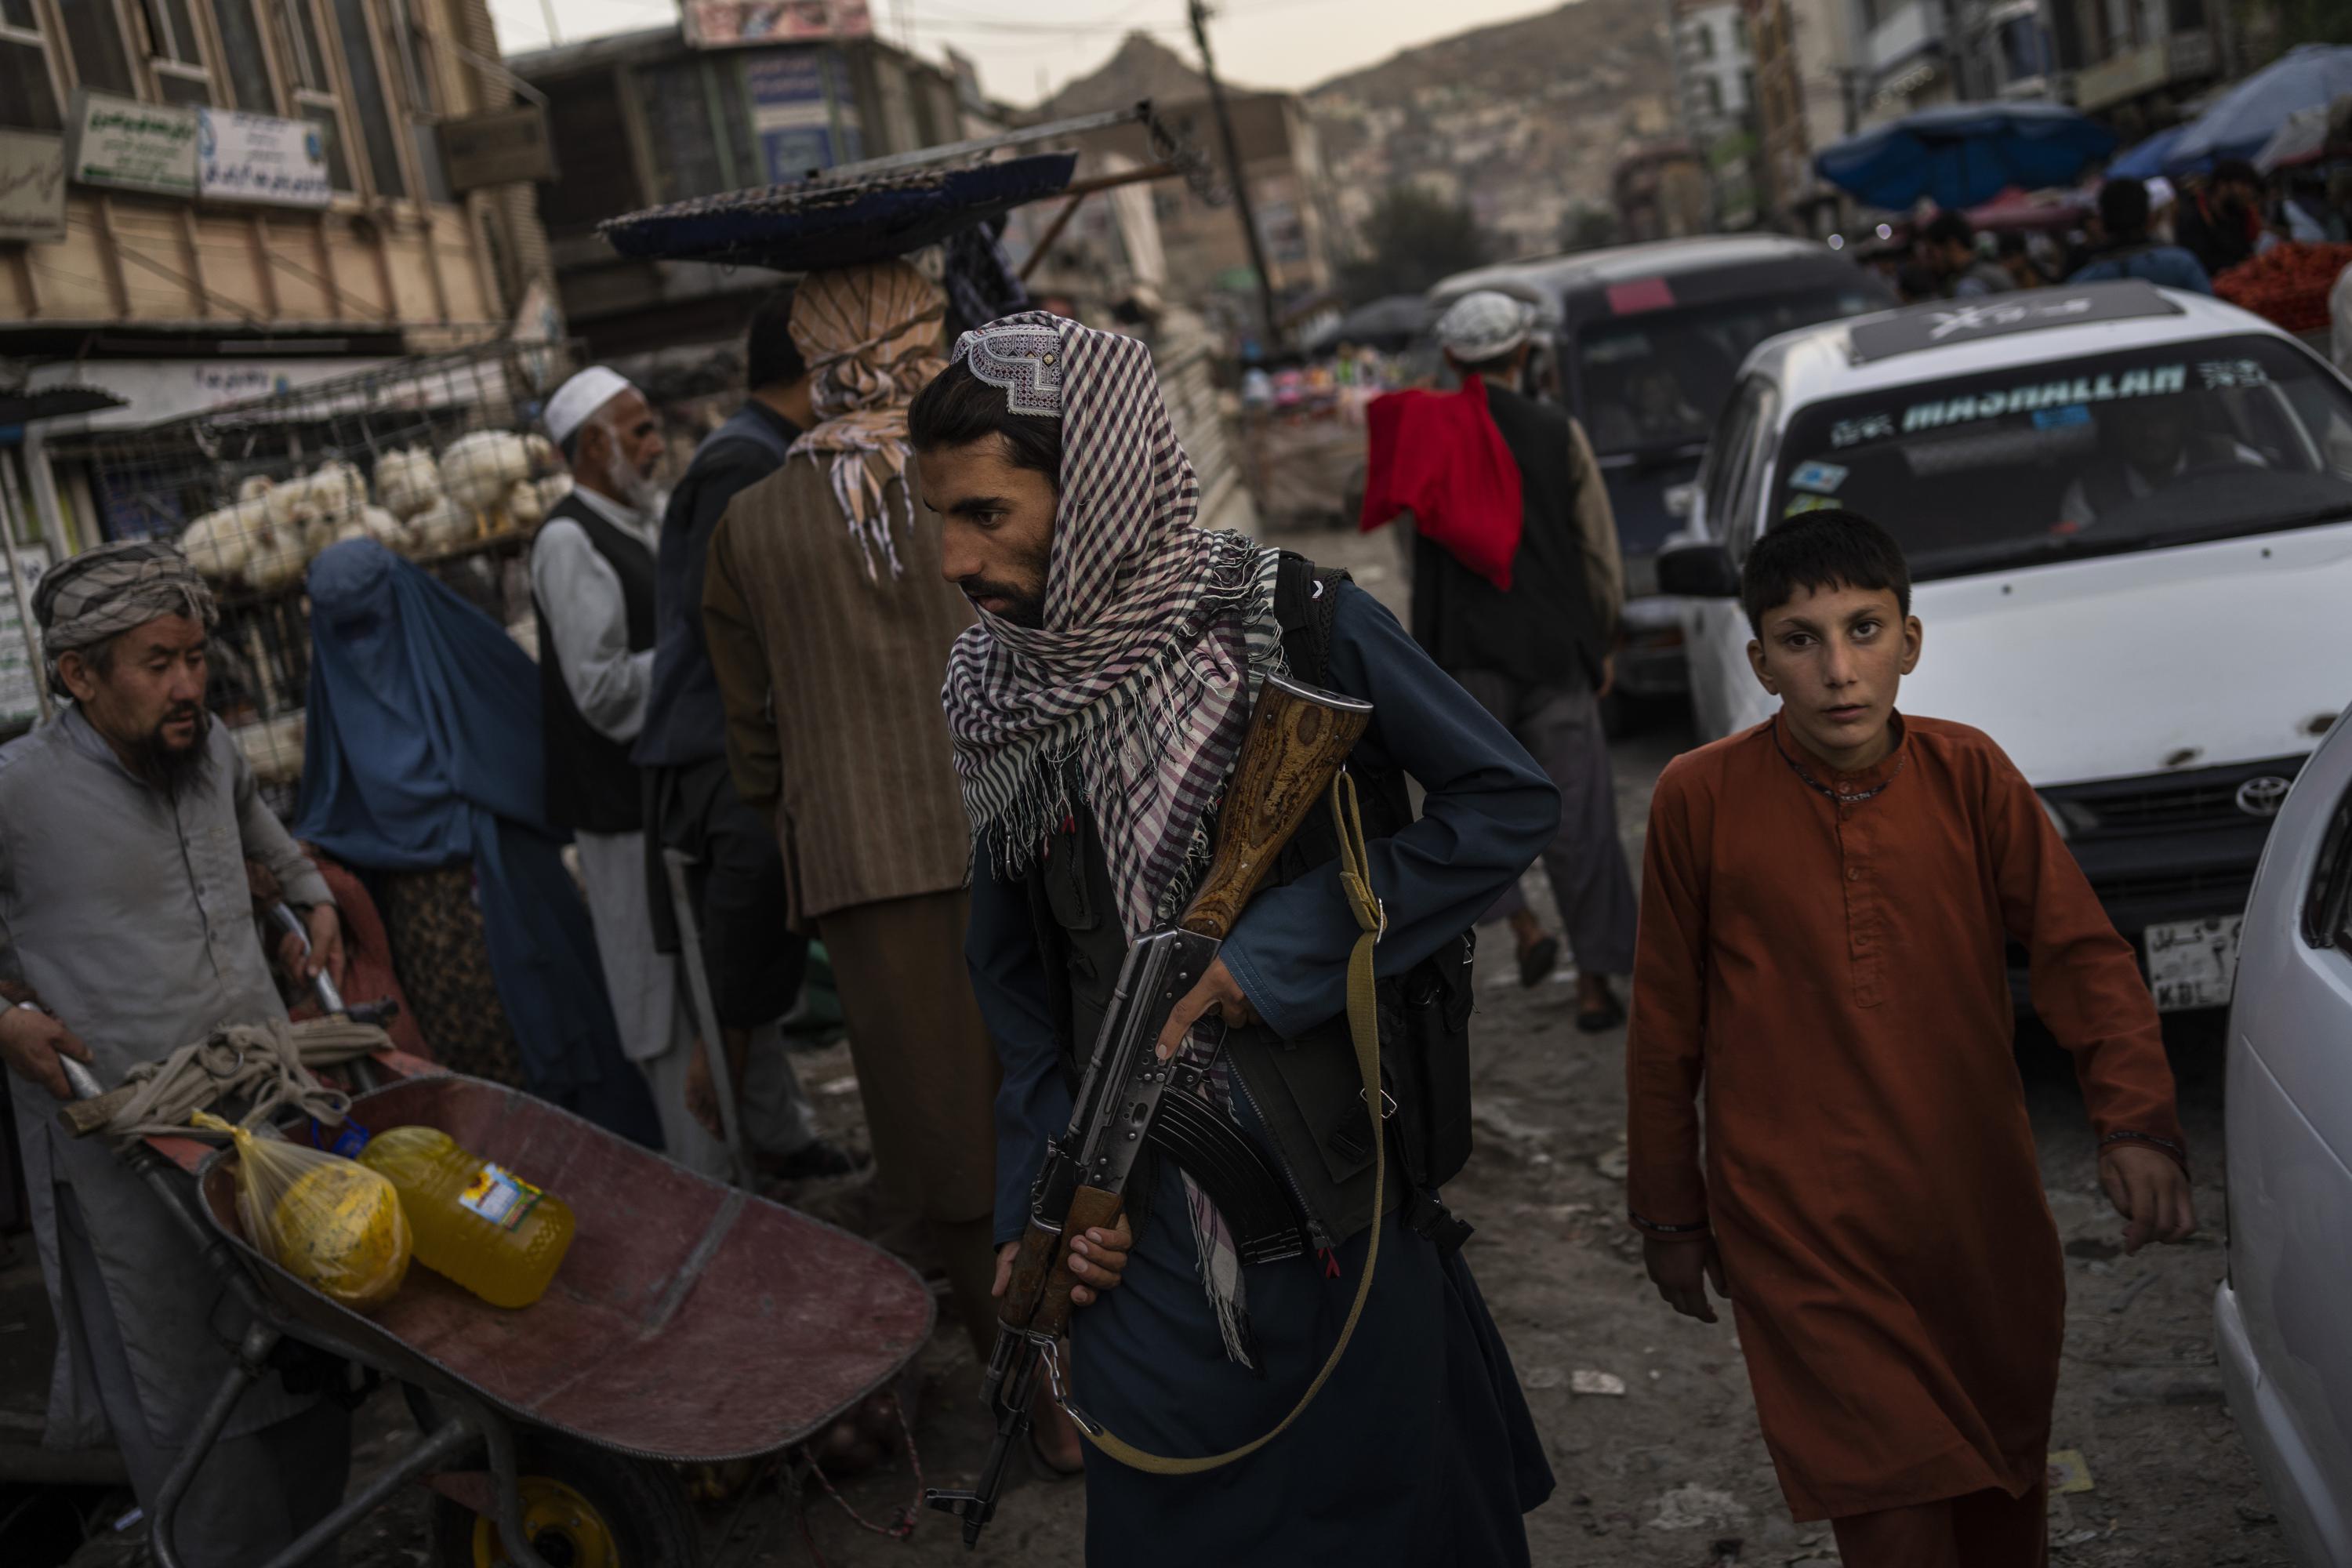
[[1020, 44]]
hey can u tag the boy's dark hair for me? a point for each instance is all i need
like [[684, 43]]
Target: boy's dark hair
[[959, 408], [2123, 209], [1831, 548], [770, 358]]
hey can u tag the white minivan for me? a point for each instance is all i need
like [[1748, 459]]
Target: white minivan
[[2128, 517]]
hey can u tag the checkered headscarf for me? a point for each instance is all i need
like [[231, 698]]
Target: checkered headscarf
[[105, 591], [1156, 637]]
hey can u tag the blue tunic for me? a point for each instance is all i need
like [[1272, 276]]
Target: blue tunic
[[1419, 1450]]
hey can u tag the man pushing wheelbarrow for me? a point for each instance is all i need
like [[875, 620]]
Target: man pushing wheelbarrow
[[688, 1322]]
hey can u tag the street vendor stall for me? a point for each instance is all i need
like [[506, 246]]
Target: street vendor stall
[[435, 457]]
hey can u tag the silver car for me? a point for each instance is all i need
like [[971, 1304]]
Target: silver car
[[2283, 1315]]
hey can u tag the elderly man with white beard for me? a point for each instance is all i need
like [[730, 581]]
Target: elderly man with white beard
[[591, 588]]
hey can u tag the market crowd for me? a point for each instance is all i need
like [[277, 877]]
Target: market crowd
[[925, 660]]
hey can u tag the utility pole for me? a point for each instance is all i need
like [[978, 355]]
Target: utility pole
[[1271, 330]]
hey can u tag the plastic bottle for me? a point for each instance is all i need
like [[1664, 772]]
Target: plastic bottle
[[474, 1221]]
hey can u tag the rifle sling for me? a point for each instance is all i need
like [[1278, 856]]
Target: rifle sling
[[1363, 1029]]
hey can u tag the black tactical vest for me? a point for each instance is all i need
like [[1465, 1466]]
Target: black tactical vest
[[1306, 1090]]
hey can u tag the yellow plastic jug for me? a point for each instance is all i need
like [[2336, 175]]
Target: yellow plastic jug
[[475, 1221]]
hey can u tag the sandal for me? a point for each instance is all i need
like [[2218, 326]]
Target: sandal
[[1601, 1020], [1537, 960]]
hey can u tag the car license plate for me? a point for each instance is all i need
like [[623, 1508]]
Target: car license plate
[[2193, 963]]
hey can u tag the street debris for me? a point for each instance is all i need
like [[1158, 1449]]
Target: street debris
[[1607, 1383], [1494, 1113], [1694, 1507], [1613, 1163], [2070, 1473]]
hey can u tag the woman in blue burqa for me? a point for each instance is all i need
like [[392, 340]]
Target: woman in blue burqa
[[421, 770]]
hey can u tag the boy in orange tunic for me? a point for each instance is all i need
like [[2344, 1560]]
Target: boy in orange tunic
[[1826, 907]]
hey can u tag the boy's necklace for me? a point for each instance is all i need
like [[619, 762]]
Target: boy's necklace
[[1854, 797]]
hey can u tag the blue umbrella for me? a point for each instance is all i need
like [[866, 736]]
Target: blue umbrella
[[2145, 160], [1959, 154], [2249, 114]]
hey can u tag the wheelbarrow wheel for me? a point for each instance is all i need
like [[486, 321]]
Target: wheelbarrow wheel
[[583, 1507]]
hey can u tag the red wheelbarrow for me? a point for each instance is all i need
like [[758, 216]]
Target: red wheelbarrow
[[691, 1322]]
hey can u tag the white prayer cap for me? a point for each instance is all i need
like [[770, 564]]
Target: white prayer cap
[[2160, 194], [578, 399], [1484, 326]]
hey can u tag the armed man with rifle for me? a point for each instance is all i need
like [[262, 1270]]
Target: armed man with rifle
[[1208, 953]]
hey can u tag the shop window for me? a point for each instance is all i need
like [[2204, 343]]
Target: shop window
[[314, 87], [368, 105], [2187, 16], [94, 35], [331, 134], [2025, 50], [413, 47], [245, 62], [27, 103], [174, 53]]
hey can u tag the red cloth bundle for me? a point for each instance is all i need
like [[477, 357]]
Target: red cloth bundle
[[1439, 455]]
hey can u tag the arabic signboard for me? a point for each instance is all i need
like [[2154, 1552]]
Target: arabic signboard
[[135, 146], [504, 147], [245, 157], [736, 24], [802, 111], [32, 186]]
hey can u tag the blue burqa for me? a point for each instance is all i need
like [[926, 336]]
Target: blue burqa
[[422, 750]]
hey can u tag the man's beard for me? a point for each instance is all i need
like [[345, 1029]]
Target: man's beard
[[165, 766], [1021, 609], [632, 485]]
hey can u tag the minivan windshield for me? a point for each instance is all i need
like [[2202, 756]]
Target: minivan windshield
[[1657, 380], [2095, 455]]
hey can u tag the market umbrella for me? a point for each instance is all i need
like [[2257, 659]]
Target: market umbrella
[[2299, 140], [1386, 323], [1959, 154], [821, 222], [2245, 118], [2145, 160]]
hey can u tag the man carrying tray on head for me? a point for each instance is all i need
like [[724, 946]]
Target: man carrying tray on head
[[126, 930], [1097, 710]]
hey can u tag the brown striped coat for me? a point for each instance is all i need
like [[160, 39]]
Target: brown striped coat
[[831, 681]]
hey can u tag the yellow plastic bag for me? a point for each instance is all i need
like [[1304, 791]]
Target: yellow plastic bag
[[331, 1221]]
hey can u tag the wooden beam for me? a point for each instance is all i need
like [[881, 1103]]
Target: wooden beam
[[258, 228], [109, 253], [1053, 232], [195, 260], [433, 262], [326, 273], [28, 286]]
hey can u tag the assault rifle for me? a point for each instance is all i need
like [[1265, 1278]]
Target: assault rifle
[[1298, 738]]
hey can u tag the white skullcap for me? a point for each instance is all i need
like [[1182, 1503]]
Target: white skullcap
[[578, 399], [1484, 326], [2160, 194]]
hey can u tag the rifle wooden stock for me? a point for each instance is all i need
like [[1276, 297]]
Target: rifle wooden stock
[[1297, 738], [1038, 1299]]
